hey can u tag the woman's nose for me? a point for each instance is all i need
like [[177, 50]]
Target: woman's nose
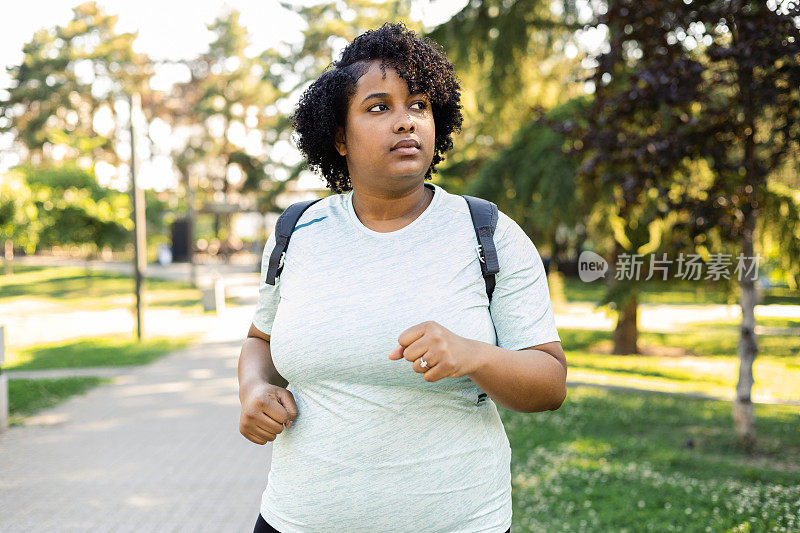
[[405, 123]]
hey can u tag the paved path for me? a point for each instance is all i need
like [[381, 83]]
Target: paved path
[[159, 450]]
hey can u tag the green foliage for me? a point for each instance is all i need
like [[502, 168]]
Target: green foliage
[[73, 209], [19, 221], [510, 56], [781, 221], [658, 291], [532, 181], [69, 73]]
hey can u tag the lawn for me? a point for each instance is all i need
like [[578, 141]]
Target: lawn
[[74, 286], [700, 360], [27, 396], [629, 461], [93, 351], [675, 291]]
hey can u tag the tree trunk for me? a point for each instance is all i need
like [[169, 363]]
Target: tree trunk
[[743, 417], [555, 280], [626, 334], [8, 256]]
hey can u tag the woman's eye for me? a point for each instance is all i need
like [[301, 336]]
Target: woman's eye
[[422, 105]]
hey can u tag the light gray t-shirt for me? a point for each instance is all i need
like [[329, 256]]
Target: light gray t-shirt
[[375, 447]]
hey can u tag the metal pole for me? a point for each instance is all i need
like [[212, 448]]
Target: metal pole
[[190, 228], [139, 245], [3, 383]]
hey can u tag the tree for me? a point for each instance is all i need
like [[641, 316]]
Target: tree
[[72, 209], [68, 79], [534, 183], [511, 56], [709, 85], [751, 110], [19, 222], [637, 135], [228, 110]]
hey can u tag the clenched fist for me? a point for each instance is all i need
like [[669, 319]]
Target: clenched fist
[[265, 410]]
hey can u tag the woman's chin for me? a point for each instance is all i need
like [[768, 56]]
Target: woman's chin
[[409, 167]]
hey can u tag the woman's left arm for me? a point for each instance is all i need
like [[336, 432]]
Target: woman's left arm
[[529, 380]]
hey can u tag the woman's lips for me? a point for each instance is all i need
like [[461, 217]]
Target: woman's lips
[[406, 150]]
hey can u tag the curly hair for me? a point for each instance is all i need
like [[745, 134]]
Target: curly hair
[[420, 61]]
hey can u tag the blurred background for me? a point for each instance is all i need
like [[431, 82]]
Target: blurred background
[[146, 152]]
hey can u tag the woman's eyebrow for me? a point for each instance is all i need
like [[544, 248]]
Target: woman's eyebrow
[[376, 95], [385, 95]]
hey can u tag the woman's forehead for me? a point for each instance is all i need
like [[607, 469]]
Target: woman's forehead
[[386, 79]]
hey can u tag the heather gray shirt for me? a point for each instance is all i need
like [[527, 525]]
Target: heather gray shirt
[[375, 447]]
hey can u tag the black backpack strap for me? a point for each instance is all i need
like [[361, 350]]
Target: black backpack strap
[[283, 232], [484, 219]]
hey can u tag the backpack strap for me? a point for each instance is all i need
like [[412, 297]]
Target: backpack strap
[[283, 232], [484, 219]]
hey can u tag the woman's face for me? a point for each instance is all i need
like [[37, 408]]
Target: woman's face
[[374, 124]]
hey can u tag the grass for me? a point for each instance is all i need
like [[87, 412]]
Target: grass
[[74, 286], [710, 365], [766, 321], [27, 396], [709, 340], [704, 340], [675, 291], [618, 461], [93, 351]]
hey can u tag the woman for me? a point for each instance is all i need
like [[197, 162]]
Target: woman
[[370, 354]]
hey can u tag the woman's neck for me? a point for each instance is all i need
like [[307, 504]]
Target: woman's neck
[[388, 209]]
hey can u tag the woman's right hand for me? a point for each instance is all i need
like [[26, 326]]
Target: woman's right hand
[[265, 409]]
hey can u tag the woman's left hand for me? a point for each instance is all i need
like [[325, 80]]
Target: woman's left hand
[[447, 355]]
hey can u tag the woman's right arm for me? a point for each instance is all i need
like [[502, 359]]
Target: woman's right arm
[[255, 362], [266, 403]]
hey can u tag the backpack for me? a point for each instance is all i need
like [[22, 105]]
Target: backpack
[[484, 220]]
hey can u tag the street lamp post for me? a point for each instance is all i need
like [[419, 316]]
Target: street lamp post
[[139, 226]]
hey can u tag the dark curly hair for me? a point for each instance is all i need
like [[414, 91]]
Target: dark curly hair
[[323, 106]]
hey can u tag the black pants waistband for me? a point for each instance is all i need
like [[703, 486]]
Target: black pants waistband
[[263, 527]]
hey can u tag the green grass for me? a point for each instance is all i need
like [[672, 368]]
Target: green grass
[[767, 321], [707, 340], [653, 291], [27, 396], [710, 365], [674, 291], [616, 461], [93, 351], [73, 286]]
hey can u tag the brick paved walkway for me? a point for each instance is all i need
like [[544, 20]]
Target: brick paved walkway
[[158, 450]]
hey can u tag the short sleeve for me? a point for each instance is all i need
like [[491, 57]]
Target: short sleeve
[[268, 295], [521, 309]]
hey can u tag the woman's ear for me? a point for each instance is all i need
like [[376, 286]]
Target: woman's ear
[[339, 141]]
